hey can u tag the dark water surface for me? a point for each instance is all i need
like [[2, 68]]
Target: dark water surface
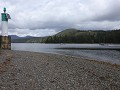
[[107, 53]]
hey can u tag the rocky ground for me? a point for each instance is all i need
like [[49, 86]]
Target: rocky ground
[[39, 71]]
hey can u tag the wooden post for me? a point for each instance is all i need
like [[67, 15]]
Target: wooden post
[[5, 42]]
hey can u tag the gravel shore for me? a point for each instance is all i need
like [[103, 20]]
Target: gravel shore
[[20, 70]]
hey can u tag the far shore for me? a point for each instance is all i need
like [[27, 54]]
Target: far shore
[[118, 49], [24, 70]]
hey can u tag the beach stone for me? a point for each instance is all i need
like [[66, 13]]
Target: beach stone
[[43, 71]]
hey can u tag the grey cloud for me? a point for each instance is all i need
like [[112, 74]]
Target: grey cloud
[[55, 15], [111, 13], [110, 16]]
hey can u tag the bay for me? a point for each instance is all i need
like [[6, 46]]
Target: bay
[[100, 52]]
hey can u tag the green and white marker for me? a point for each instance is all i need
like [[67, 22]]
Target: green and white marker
[[5, 17]]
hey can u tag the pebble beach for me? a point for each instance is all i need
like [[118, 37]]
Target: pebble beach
[[22, 70]]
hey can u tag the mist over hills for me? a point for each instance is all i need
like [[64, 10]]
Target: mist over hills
[[75, 36]]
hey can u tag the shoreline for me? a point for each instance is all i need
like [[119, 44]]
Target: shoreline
[[38, 71], [72, 56], [81, 57]]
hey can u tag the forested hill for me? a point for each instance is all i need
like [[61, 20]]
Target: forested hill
[[77, 36]]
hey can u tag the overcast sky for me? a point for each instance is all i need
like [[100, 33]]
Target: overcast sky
[[47, 17]]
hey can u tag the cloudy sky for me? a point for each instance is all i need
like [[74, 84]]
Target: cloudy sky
[[47, 17]]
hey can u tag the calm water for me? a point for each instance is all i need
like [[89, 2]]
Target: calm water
[[101, 55]]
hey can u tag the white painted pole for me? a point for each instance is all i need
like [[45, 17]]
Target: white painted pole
[[4, 28], [4, 23]]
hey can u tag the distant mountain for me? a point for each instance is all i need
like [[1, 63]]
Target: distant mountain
[[17, 37], [14, 37], [76, 36], [29, 40]]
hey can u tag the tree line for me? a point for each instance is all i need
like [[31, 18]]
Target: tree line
[[112, 36]]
